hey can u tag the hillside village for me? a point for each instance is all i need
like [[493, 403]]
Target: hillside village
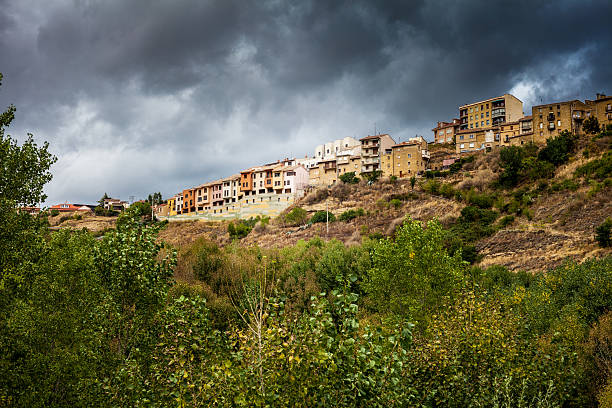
[[488, 124]]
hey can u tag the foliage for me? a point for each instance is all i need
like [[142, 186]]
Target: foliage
[[373, 176], [598, 169], [349, 178], [155, 198], [511, 160], [322, 216], [412, 182], [591, 125], [603, 233], [240, 228], [351, 214], [412, 274], [54, 212], [297, 216], [558, 148], [209, 261], [141, 208]]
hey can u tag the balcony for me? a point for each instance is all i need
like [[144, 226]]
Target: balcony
[[551, 126], [526, 129], [425, 154], [498, 113], [329, 165], [498, 104], [370, 160], [578, 116], [551, 116], [608, 108]]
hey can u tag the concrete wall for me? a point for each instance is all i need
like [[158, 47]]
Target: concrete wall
[[264, 204]]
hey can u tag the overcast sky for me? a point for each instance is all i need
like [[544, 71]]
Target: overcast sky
[[143, 96]]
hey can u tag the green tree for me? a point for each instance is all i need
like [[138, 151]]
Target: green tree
[[603, 233], [591, 125], [412, 273], [322, 216], [412, 182], [558, 148], [511, 159], [349, 178]]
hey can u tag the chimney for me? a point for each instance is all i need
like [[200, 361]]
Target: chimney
[[601, 96]]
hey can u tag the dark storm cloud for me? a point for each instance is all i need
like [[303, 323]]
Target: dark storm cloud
[[137, 96]]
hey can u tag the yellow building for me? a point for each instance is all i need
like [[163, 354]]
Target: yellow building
[[328, 172], [405, 159], [470, 140], [172, 206], [551, 119], [602, 109], [490, 112], [371, 150], [347, 164]]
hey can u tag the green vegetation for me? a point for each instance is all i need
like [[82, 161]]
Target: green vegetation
[[351, 214], [598, 169], [349, 178], [54, 212], [297, 216], [322, 216], [603, 233], [373, 176], [241, 228]]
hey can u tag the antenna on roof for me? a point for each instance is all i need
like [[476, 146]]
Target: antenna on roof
[[374, 128]]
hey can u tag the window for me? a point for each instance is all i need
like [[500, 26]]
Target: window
[[487, 121], [487, 114], [471, 136], [441, 132], [448, 131], [476, 124], [471, 126], [558, 123], [471, 117], [461, 137], [487, 105], [471, 144], [482, 123], [558, 106], [471, 110], [541, 125], [482, 116], [539, 110]]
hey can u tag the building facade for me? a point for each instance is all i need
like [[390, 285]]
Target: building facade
[[445, 132], [553, 118], [490, 112], [371, 148], [405, 159]]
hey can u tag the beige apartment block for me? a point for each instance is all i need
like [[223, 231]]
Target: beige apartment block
[[553, 118], [371, 148], [601, 107], [470, 140], [445, 132], [328, 172], [490, 112], [348, 164], [405, 159]]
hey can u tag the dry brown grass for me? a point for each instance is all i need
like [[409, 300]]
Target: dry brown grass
[[480, 180]]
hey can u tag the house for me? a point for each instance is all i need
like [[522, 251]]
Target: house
[[371, 148], [115, 204], [553, 118], [65, 207], [405, 159], [601, 107], [445, 132]]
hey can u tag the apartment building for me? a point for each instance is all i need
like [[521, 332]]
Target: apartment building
[[490, 112], [445, 132], [347, 164], [295, 179], [405, 159], [172, 206], [601, 107], [517, 133], [231, 189], [179, 203], [553, 118], [346, 146], [470, 140], [328, 172], [371, 148]]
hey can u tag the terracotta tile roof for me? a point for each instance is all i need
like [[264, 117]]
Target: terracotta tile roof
[[374, 136]]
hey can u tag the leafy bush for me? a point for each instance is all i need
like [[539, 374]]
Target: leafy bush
[[372, 176], [506, 220], [78, 217], [393, 179], [602, 233], [446, 190], [322, 216], [511, 160], [351, 214], [566, 184], [297, 216], [591, 125], [395, 203], [558, 148], [599, 169], [349, 178], [208, 262], [241, 228], [483, 200], [54, 212]]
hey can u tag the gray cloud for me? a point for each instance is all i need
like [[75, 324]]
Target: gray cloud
[[141, 96]]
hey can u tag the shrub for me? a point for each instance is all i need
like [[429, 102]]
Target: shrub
[[480, 200], [322, 216], [599, 169], [558, 148], [64, 218], [511, 158], [396, 203], [241, 228], [506, 220], [208, 262], [373, 176], [54, 212], [393, 179], [412, 182], [351, 214], [566, 184], [297, 216], [432, 187], [349, 178], [602, 233], [78, 217], [591, 125], [447, 190]]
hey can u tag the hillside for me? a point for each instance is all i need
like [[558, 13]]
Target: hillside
[[536, 224]]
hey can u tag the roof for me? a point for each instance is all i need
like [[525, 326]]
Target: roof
[[374, 136], [489, 100], [446, 125], [415, 143], [558, 103], [525, 118]]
